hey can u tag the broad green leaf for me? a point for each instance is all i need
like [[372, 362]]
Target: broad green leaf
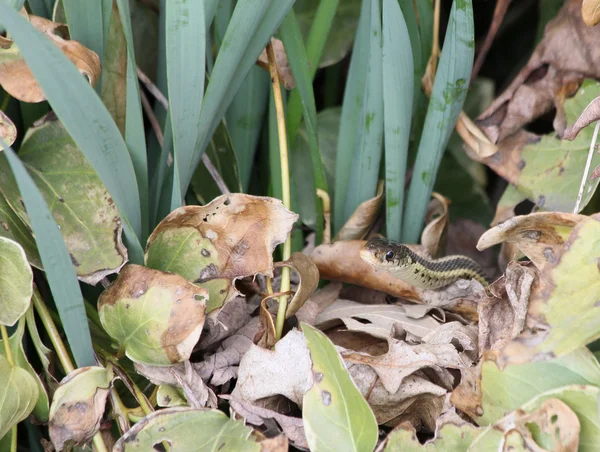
[[350, 121], [450, 437], [368, 152], [180, 428], [57, 262], [79, 202], [185, 46], [572, 283], [506, 390], [86, 390], [16, 282], [41, 409], [553, 168], [447, 98], [84, 117], [334, 22], [170, 396], [581, 399], [18, 395], [156, 317], [335, 414], [398, 86]]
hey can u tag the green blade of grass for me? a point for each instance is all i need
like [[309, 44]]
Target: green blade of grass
[[294, 47], [134, 121], [398, 85], [410, 19], [250, 29], [351, 115], [86, 23], [447, 98], [57, 263], [39, 8], [367, 156], [185, 39], [84, 116]]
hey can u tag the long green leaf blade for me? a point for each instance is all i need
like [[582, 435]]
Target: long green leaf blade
[[57, 263], [367, 156], [398, 86], [447, 98], [86, 24], [186, 36], [83, 115]]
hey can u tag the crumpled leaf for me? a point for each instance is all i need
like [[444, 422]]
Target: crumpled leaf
[[502, 314], [183, 376], [18, 81], [335, 414], [567, 296], [566, 54], [503, 391], [292, 427], [231, 237], [180, 428], [285, 370], [437, 219], [16, 283], [281, 62], [18, 395], [382, 318], [309, 280], [8, 131], [403, 359], [156, 317], [362, 219], [590, 12], [82, 207], [341, 261], [540, 236], [78, 405], [589, 115], [551, 424], [546, 169], [233, 316]]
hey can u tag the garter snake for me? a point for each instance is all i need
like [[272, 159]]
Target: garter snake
[[404, 264]]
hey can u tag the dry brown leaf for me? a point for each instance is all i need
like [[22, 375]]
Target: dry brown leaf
[[233, 316], [285, 370], [538, 235], [502, 315], [277, 444], [467, 395], [590, 12], [474, 137], [588, 116], [463, 235], [437, 220], [309, 280], [183, 376], [320, 300], [8, 131], [456, 333], [16, 77], [566, 54], [281, 60], [361, 221], [268, 334]]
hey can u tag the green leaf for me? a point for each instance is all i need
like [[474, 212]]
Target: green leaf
[[450, 437], [447, 98], [354, 94], [57, 262], [185, 47], [86, 23], [12, 227], [84, 117], [180, 427], [506, 390], [335, 414], [16, 283], [398, 86], [80, 204], [367, 154], [41, 409], [18, 395]]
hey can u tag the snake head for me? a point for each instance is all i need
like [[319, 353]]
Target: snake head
[[381, 253]]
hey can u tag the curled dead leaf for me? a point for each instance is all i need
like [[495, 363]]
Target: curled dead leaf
[[589, 115], [8, 131], [16, 77], [309, 280], [474, 137], [437, 219], [359, 223], [590, 12], [281, 60]]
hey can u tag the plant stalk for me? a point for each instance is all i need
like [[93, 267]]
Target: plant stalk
[[285, 187]]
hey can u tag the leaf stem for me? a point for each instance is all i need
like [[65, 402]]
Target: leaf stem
[[13, 439], [9, 356], [285, 187], [586, 171]]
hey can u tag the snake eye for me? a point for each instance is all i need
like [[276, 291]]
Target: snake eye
[[389, 256]]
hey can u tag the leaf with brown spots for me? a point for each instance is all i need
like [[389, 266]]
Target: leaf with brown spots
[[362, 219], [16, 77], [281, 62], [156, 317], [8, 131], [213, 245]]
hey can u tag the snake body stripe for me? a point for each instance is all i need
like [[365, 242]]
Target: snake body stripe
[[408, 266]]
